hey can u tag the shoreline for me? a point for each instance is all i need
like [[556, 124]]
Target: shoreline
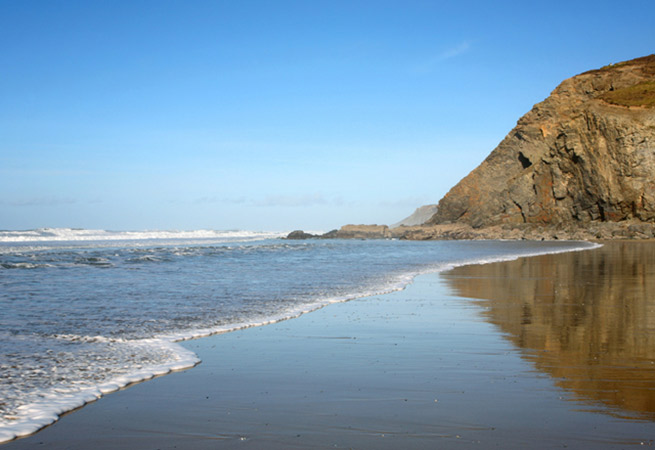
[[202, 345], [40, 416]]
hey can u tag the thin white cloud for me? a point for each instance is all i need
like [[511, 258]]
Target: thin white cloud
[[430, 64], [457, 50]]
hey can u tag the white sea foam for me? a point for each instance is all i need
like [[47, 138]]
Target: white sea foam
[[77, 235], [53, 402], [50, 403]]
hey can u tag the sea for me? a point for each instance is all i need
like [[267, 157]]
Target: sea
[[84, 313]]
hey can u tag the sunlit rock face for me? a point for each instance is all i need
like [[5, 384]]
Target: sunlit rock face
[[585, 154], [586, 318]]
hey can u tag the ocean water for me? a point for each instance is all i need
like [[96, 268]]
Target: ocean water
[[86, 312]]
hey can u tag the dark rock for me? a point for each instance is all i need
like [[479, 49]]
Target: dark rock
[[299, 234], [332, 234]]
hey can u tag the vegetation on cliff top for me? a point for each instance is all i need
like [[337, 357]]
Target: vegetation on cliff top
[[642, 94], [646, 64]]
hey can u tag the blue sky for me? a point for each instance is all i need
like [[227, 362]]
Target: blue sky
[[274, 115]]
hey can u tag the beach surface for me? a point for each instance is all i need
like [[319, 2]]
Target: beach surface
[[551, 351]]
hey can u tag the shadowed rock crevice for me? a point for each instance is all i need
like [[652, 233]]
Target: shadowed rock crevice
[[525, 162]]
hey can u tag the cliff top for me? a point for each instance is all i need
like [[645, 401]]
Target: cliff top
[[628, 83], [639, 94]]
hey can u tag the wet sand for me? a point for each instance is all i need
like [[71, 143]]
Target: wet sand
[[546, 352]]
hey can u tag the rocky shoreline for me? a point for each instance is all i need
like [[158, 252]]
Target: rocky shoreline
[[572, 231]]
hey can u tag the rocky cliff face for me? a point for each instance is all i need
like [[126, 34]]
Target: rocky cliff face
[[585, 154]]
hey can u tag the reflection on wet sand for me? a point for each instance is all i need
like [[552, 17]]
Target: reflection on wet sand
[[585, 318]]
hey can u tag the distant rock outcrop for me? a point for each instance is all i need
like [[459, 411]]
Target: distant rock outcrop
[[363, 232], [347, 232], [419, 217], [584, 155]]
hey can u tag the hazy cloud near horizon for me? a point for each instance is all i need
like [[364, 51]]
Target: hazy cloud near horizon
[[40, 201], [305, 200]]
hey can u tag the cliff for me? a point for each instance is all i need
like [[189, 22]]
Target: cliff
[[418, 217], [583, 156], [579, 165]]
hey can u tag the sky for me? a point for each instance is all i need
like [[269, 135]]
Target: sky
[[274, 115]]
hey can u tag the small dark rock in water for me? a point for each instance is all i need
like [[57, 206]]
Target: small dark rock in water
[[299, 234]]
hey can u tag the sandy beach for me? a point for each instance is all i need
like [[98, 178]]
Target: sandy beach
[[552, 351]]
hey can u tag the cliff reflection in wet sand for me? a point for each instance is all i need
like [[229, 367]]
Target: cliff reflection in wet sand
[[585, 318]]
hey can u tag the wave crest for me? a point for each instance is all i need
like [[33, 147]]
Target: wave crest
[[75, 234]]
